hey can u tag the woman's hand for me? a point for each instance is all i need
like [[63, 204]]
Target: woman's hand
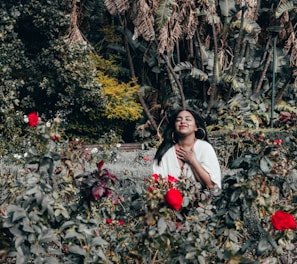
[[200, 173], [186, 156]]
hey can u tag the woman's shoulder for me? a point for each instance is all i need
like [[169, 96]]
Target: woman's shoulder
[[203, 144], [169, 154], [170, 150]]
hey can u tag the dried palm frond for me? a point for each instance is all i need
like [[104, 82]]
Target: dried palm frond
[[250, 26], [225, 55], [143, 21], [74, 35], [191, 24], [188, 18], [291, 44], [164, 12], [176, 33], [195, 73], [284, 7], [117, 7], [163, 38], [170, 33], [283, 106]]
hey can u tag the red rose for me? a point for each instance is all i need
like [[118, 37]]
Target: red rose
[[55, 138], [33, 119], [150, 188], [108, 221], [171, 179], [97, 192], [147, 158], [282, 220], [121, 222], [277, 142], [174, 198], [156, 177], [100, 165]]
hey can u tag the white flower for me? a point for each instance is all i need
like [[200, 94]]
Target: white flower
[[26, 119], [118, 145], [94, 150], [48, 124], [25, 155], [17, 156]]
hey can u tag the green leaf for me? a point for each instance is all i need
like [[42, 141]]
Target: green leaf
[[186, 201], [37, 249], [201, 259], [12, 208], [73, 234], [263, 246], [47, 236], [287, 6], [19, 214], [234, 213], [77, 250], [191, 255], [164, 12], [66, 225], [98, 241], [33, 190], [162, 225], [55, 156], [235, 195], [266, 164], [19, 241], [51, 260], [28, 228]]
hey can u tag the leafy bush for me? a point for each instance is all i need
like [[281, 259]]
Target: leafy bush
[[66, 207]]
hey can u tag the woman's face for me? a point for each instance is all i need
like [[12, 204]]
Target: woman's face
[[185, 123]]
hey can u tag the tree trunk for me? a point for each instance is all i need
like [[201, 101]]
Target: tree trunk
[[141, 99]]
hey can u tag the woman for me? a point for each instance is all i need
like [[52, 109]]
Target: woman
[[185, 151]]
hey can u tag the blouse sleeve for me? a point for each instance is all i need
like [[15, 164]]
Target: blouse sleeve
[[168, 165], [209, 161]]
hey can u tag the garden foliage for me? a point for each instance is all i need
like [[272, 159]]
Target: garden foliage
[[65, 207]]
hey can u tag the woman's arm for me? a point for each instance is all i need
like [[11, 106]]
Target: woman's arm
[[199, 172]]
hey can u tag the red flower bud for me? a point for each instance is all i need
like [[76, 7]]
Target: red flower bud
[[121, 222], [108, 221], [156, 177], [100, 164], [147, 158], [97, 192], [282, 220], [33, 119], [55, 138], [277, 142], [171, 179], [174, 199], [150, 188]]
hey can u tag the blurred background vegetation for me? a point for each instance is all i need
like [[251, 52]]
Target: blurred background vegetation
[[121, 65]]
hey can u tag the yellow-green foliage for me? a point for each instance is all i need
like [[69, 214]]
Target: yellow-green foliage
[[104, 66], [121, 99]]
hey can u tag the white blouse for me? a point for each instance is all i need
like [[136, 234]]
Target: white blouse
[[205, 155]]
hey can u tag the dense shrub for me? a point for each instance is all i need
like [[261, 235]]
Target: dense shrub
[[66, 207]]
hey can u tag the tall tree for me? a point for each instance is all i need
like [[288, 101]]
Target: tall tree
[[210, 54], [46, 65]]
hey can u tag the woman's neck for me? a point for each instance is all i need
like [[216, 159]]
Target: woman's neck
[[187, 142]]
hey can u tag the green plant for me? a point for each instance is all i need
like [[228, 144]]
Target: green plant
[[67, 208]]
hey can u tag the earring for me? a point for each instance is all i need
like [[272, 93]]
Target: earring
[[204, 133], [173, 137]]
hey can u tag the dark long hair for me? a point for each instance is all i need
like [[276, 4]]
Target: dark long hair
[[169, 137]]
